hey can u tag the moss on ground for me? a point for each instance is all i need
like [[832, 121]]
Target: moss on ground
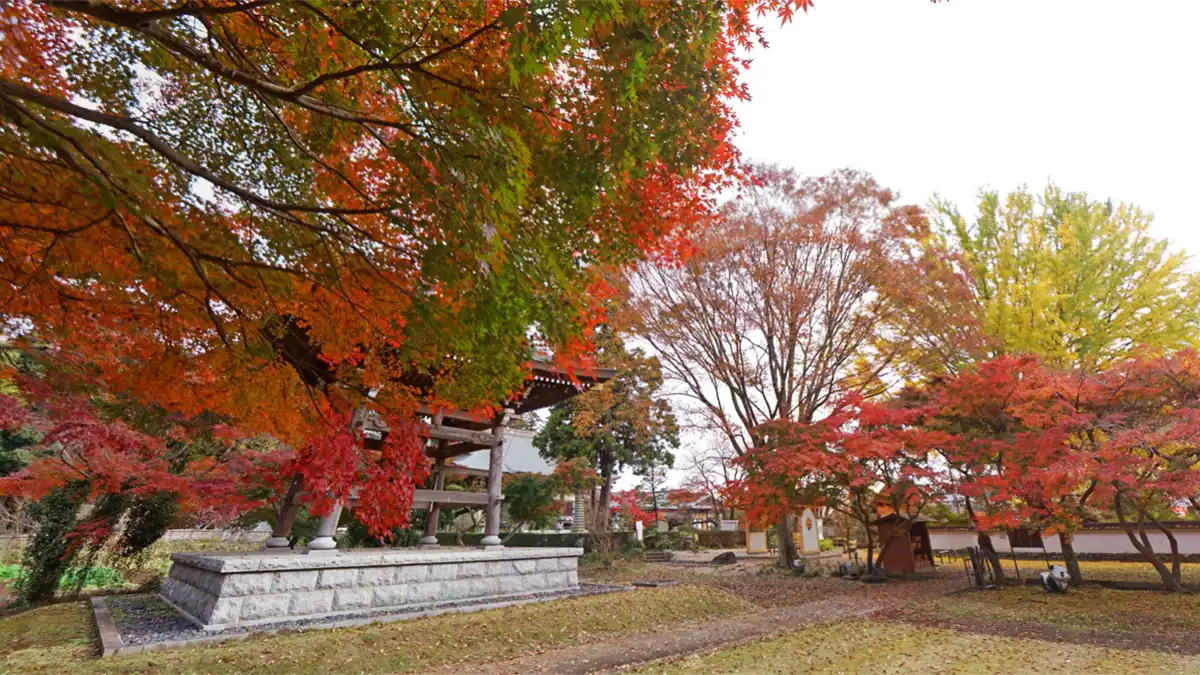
[[53, 634]]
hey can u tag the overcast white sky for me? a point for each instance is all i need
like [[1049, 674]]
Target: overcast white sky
[[1101, 96]]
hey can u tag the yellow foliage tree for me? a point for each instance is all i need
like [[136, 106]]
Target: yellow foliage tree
[[1079, 282]]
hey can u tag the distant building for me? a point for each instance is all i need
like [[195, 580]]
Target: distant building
[[519, 455]]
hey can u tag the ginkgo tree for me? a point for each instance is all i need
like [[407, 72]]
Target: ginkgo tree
[[194, 190], [1080, 282]]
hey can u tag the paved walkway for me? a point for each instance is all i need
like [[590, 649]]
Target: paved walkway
[[694, 638]]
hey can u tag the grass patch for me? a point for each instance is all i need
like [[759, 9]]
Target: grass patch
[[874, 647], [93, 577], [1082, 608], [408, 646]]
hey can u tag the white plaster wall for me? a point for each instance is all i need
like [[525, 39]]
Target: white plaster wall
[[1094, 541]]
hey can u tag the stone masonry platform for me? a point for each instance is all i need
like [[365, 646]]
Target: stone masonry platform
[[217, 591]]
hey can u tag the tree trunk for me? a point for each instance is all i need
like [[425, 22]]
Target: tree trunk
[[605, 500], [1069, 557], [1169, 582], [1174, 543], [977, 566], [787, 547], [993, 558], [870, 547]]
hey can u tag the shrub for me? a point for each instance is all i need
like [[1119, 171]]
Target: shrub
[[92, 577], [9, 572], [47, 554], [666, 541], [539, 540], [826, 544], [717, 539], [357, 536]]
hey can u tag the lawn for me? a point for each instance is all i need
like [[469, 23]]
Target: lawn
[[1097, 570], [1086, 608], [404, 646], [765, 585], [885, 647], [1020, 629]]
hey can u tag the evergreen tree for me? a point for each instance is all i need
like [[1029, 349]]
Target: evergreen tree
[[621, 423]]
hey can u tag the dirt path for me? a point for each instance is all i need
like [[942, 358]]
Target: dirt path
[[695, 638]]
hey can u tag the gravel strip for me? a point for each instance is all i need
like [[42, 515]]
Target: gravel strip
[[145, 619]]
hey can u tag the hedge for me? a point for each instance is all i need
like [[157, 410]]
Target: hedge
[[717, 539], [532, 539]]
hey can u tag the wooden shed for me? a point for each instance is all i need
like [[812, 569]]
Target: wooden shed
[[906, 554]]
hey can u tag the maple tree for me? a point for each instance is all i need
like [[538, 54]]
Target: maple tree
[[994, 412], [195, 191], [804, 290], [859, 457], [575, 475], [1135, 448], [1027, 445], [139, 477], [627, 506]]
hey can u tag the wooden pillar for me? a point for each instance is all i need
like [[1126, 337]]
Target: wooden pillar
[[281, 536], [491, 530], [431, 521]]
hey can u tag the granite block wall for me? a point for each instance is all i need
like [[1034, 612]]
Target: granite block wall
[[220, 591]]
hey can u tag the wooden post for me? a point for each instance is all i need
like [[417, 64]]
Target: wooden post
[[286, 517], [491, 530], [430, 539]]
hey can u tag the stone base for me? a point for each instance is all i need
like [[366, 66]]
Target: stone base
[[218, 591]]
